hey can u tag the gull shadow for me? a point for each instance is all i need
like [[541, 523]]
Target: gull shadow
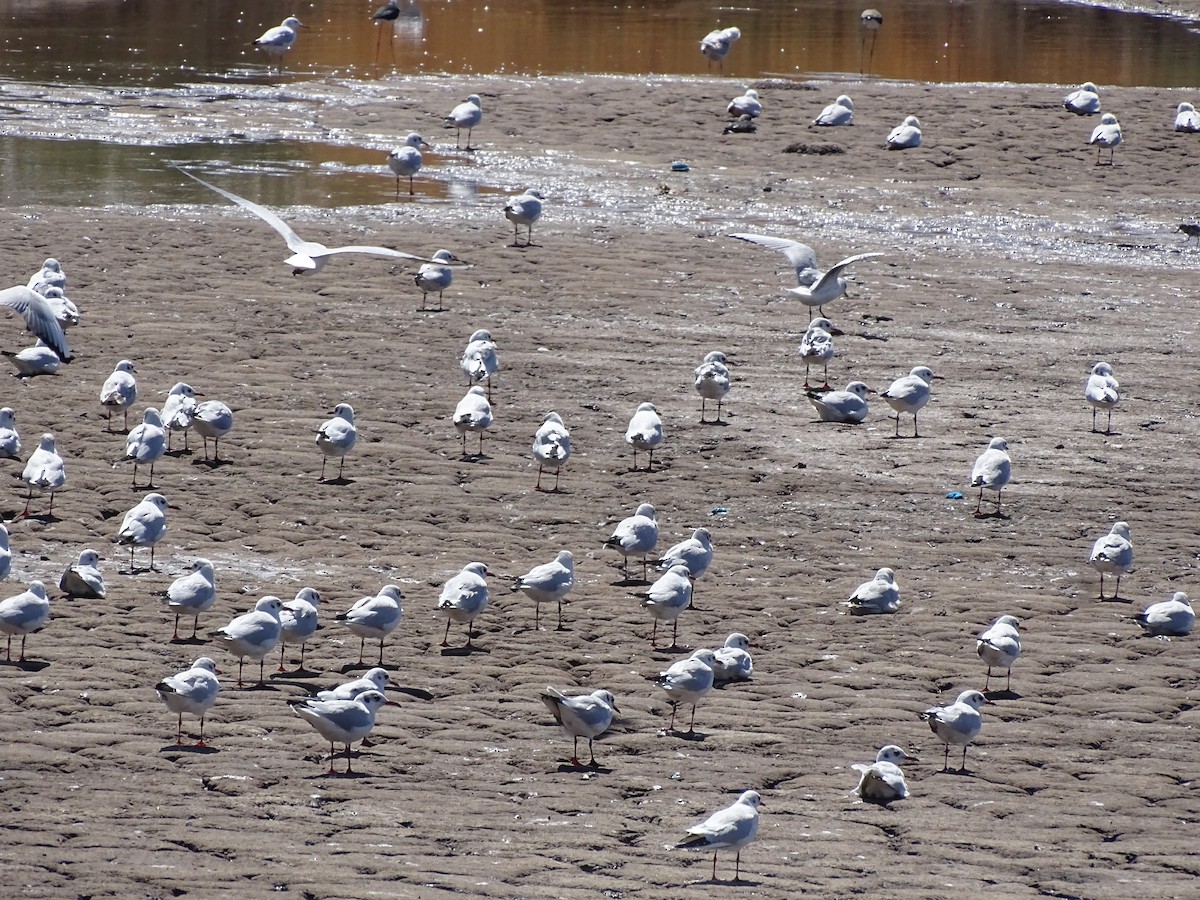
[[730, 882], [964, 771], [569, 767], [722, 423], [134, 570], [26, 665], [551, 491], [189, 748], [631, 582], [212, 463], [440, 309], [1115, 599], [260, 687], [1005, 694], [44, 518], [177, 454], [414, 692], [340, 775], [354, 667], [463, 651], [188, 641], [1004, 517], [474, 457], [695, 736], [340, 480], [673, 649]]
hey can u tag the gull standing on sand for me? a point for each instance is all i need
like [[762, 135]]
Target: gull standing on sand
[[193, 691], [23, 614], [732, 661], [839, 112], [1112, 555], [39, 318], [711, 379], [635, 535], [213, 419], [905, 136], [882, 781], [467, 114], [731, 828], [999, 646], [829, 284], [435, 276], [119, 391], [473, 414], [405, 161], [178, 411], [376, 679], [524, 209], [645, 432], [1173, 618], [10, 441], [1102, 391], [817, 347], [548, 582], [666, 599], [36, 360], [253, 634], [1083, 102], [278, 40], [308, 257], [192, 594], [848, 407], [144, 525], [551, 447], [83, 578], [696, 553], [716, 44], [958, 723], [747, 104], [802, 257], [586, 715], [464, 596], [870, 20], [879, 595], [992, 471], [1186, 118], [45, 471], [375, 617], [688, 681], [910, 393], [1106, 135], [336, 437], [479, 360], [342, 721], [147, 443], [298, 621]]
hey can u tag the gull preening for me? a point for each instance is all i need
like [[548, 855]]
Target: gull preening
[[551, 447], [1170, 618], [992, 471], [1106, 135], [144, 526], [958, 723], [883, 780], [524, 209], [464, 596], [192, 594], [119, 391], [1102, 391], [193, 691], [747, 104], [466, 115], [848, 407], [1112, 554], [50, 275], [716, 44], [479, 360], [23, 614], [39, 318], [905, 136], [405, 161], [178, 411], [829, 284], [645, 433], [1186, 118], [278, 40], [45, 472], [65, 312], [147, 443], [732, 661], [731, 828], [83, 578], [635, 535], [688, 681], [253, 634], [999, 646], [435, 276], [336, 437], [1085, 101], [817, 347], [666, 599], [298, 621], [342, 721], [212, 419], [548, 582], [586, 715], [878, 596], [375, 617], [839, 112], [308, 257], [473, 414], [909, 394], [711, 379]]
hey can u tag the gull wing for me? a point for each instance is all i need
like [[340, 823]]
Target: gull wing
[[377, 251], [801, 256], [39, 318], [837, 270], [294, 242]]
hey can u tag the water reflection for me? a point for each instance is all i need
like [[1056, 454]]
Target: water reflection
[[154, 43]]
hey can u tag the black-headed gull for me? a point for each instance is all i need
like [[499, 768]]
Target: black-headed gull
[[645, 433], [732, 661], [1186, 118], [1173, 617], [33, 361], [342, 721], [1102, 391], [435, 276], [146, 443], [878, 596], [817, 347], [405, 161], [731, 828], [308, 257], [905, 136], [298, 621], [44, 471], [1112, 554], [192, 594], [802, 257], [464, 596], [1084, 101], [839, 112], [635, 535], [337, 436], [468, 115], [83, 578], [551, 447], [524, 209], [278, 40], [50, 275], [375, 617], [882, 781], [376, 679], [65, 312], [696, 553], [666, 599], [711, 380], [119, 391], [10, 440], [688, 681], [473, 415], [999, 646], [23, 614], [958, 723], [479, 360], [829, 284], [39, 318], [179, 409], [549, 582], [909, 394], [1106, 135], [747, 104], [870, 20], [848, 407], [253, 634], [144, 525], [213, 419], [992, 471], [585, 715], [194, 691], [716, 44]]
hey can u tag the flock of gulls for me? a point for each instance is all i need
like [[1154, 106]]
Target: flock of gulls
[[346, 714]]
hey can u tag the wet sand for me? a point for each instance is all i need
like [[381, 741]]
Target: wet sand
[[1012, 264]]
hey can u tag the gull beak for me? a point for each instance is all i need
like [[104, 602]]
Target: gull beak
[[390, 703], [218, 671], [836, 332], [872, 391]]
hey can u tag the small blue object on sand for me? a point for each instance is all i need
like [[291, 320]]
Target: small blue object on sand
[[954, 495]]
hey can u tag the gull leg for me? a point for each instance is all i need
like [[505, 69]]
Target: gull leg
[[446, 636], [560, 625], [714, 872], [331, 772], [1101, 585], [592, 753], [381, 652], [200, 743], [692, 724], [361, 642], [282, 648], [575, 752], [175, 636], [179, 731]]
